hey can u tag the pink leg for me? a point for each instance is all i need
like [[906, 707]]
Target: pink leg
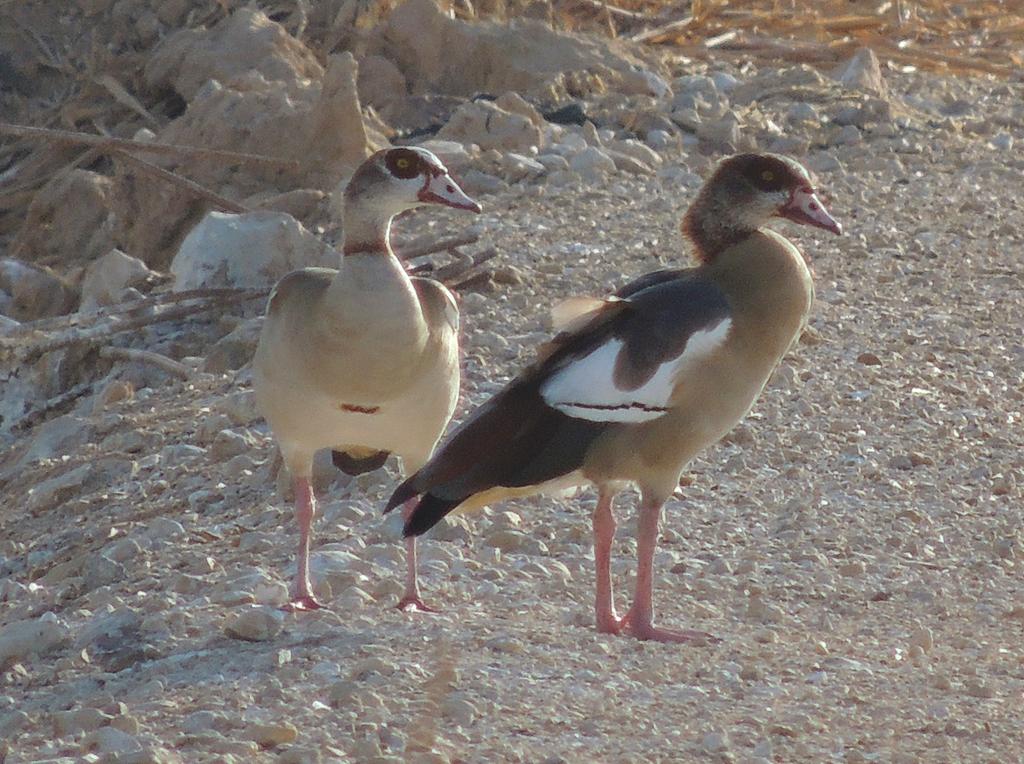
[[604, 534], [411, 600], [305, 509], [640, 615]]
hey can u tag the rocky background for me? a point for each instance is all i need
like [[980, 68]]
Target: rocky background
[[856, 542]]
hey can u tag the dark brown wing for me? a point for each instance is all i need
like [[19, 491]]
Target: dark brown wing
[[520, 438]]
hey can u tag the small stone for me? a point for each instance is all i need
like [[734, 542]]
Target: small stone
[[660, 140], [368, 667], [296, 755], [639, 151], [824, 162], [33, 637], [801, 112], [111, 740], [198, 721], [507, 540], [459, 710], [164, 529], [56, 490], [240, 408], [1016, 613], [228, 443], [516, 167], [627, 163], [475, 182], [10, 723], [848, 135], [869, 359], [113, 392], [715, 742], [862, 72], [592, 163], [723, 81], [256, 624], [978, 689], [722, 134], [852, 569], [270, 735], [505, 644], [643, 82], [751, 673], [35, 291], [490, 126], [922, 637], [343, 694], [553, 162], [107, 278], [759, 610], [79, 720], [1002, 142], [901, 462]]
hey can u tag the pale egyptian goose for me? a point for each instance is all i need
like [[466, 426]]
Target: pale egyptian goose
[[362, 360], [635, 386]]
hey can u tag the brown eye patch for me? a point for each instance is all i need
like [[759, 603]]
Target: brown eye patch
[[403, 163], [769, 174]]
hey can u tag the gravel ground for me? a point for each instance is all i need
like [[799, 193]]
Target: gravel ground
[[856, 541]]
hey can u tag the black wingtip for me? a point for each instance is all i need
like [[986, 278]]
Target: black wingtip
[[427, 513], [402, 494]]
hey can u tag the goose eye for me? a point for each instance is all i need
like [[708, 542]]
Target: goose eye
[[767, 175], [403, 164]]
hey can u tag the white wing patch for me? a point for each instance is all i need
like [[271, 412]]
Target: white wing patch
[[586, 389]]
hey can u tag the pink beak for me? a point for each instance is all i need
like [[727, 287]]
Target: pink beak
[[805, 207], [441, 189]]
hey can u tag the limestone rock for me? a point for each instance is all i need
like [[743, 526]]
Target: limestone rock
[[252, 250], [592, 163], [318, 124], [243, 42], [455, 156], [35, 291], [255, 624], [862, 72], [270, 735], [491, 127], [107, 278], [68, 221], [234, 350], [442, 54], [380, 81], [58, 437], [111, 740], [33, 637], [56, 490], [643, 82]]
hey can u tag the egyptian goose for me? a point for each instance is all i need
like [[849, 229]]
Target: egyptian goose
[[364, 359], [637, 384]]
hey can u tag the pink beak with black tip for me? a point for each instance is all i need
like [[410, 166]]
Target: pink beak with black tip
[[441, 189], [805, 207]]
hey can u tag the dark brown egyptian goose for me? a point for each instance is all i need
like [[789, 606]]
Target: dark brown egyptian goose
[[364, 359], [637, 384]]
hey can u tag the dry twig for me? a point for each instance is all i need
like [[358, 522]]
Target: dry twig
[[107, 143], [428, 245], [182, 182], [169, 365], [27, 344]]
